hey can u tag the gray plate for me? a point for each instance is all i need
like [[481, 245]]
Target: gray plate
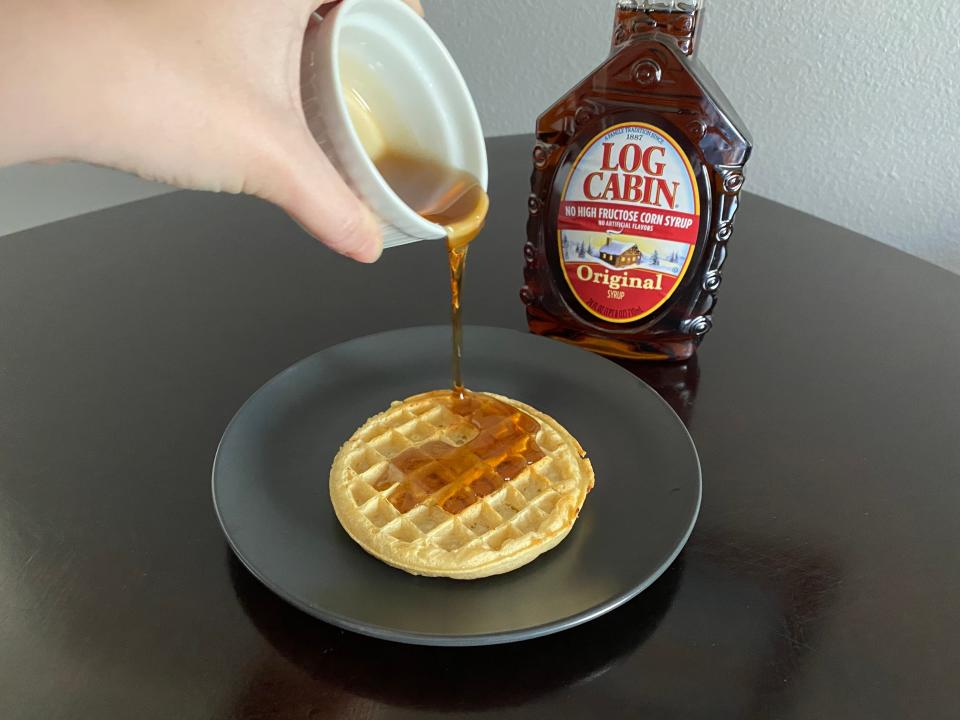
[[271, 469]]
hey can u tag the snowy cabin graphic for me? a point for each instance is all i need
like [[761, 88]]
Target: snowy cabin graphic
[[619, 254]]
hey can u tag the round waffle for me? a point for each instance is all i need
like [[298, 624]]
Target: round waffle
[[459, 487]]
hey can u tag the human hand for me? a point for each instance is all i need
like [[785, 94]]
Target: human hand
[[202, 95]]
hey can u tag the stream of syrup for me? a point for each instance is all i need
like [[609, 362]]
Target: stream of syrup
[[440, 193], [456, 201], [493, 441]]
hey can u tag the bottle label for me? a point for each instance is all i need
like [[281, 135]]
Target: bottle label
[[628, 223]]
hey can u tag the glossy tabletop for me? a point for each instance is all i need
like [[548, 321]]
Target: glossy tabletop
[[822, 579]]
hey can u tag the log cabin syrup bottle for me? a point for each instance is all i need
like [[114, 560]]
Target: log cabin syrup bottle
[[636, 179]]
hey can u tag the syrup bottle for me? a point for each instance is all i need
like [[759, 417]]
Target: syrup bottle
[[636, 180]]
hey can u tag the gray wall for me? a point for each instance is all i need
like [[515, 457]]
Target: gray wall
[[853, 106], [32, 194]]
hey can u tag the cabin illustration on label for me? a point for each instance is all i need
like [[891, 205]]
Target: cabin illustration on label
[[619, 254]]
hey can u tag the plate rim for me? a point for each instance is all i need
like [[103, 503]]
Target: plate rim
[[461, 639]]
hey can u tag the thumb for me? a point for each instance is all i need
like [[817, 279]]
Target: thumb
[[306, 185]]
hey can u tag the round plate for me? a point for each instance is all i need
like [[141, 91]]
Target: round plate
[[270, 487]]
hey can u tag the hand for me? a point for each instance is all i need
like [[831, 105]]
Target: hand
[[203, 95]]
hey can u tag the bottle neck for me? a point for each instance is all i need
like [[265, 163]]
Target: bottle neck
[[678, 20]]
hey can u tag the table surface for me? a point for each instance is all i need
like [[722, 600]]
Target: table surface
[[820, 582]]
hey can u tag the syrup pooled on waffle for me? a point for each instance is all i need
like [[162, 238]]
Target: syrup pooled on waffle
[[460, 484], [455, 477]]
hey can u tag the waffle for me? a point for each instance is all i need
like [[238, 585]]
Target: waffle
[[436, 487]]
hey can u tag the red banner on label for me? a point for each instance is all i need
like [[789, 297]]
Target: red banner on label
[[628, 220], [619, 294]]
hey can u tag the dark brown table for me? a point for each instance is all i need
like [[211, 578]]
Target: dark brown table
[[821, 581]]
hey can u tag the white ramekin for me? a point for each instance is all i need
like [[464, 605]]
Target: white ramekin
[[427, 90]]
